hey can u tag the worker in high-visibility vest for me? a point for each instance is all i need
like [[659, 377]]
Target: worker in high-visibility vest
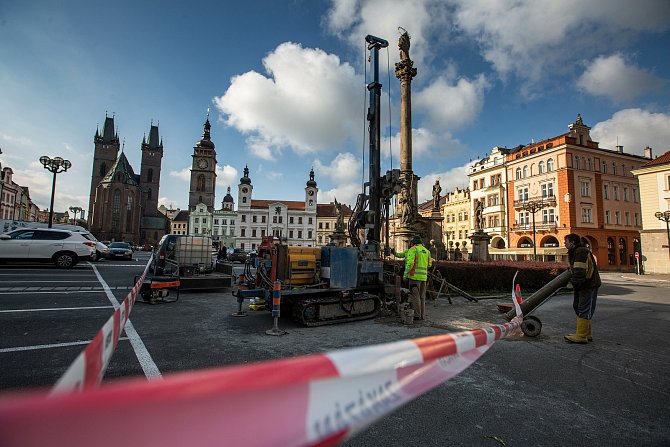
[[417, 263]]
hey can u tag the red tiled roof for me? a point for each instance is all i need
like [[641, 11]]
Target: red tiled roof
[[290, 204], [328, 210], [663, 159]]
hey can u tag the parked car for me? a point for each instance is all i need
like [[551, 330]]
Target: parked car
[[65, 248], [120, 250], [238, 255], [101, 251]]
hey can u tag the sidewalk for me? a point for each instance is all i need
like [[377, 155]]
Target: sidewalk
[[647, 277]]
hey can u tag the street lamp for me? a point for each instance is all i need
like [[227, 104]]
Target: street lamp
[[55, 165], [75, 210], [665, 216], [534, 206]]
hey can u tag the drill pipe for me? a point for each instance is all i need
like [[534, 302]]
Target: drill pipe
[[538, 298]]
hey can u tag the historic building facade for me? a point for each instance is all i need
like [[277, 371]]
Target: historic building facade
[[15, 202], [455, 209], [326, 219], [292, 221], [488, 180], [654, 180], [568, 184], [123, 206]]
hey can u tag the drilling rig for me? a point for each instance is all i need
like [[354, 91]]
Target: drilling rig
[[326, 285]]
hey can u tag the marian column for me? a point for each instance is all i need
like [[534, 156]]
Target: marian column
[[408, 197]]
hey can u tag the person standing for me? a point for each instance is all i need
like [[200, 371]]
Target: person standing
[[585, 281], [417, 263]]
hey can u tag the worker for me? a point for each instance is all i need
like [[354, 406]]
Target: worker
[[417, 263], [585, 281]]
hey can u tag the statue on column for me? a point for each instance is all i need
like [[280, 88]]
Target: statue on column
[[479, 218], [403, 44], [339, 223], [406, 208], [437, 189]]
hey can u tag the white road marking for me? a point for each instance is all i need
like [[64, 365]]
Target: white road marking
[[53, 345], [150, 369], [52, 309]]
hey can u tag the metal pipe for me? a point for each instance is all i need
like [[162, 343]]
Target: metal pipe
[[539, 297]]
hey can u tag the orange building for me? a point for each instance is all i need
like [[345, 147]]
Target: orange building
[[567, 184]]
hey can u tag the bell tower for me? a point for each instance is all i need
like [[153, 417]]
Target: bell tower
[[310, 193], [245, 189], [203, 171], [150, 170]]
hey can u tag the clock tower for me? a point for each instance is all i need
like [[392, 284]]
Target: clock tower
[[203, 171]]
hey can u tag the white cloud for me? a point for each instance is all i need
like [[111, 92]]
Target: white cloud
[[523, 37], [451, 106], [425, 144], [225, 175], [345, 171], [449, 180], [617, 79], [184, 174], [635, 129], [310, 102], [21, 141]]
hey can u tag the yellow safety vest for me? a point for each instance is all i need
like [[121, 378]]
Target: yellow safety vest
[[417, 262]]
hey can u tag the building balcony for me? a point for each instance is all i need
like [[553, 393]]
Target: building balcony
[[547, 200], [549, 227]]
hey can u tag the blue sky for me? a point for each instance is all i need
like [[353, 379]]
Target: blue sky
[[285, 82]]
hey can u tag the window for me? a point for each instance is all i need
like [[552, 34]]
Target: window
[[636, 196], [149, 194], [606, 190], [197, 220], [327, 225], [547, 190], [525, 171], [550, 165], [548, 216], [524, 217], [617, 217], [589, 166], [475, 184], [204, 220], [200, 186], [493, 200], [320, 239], [586, 215], [216, 221], [585, 188], [625, 194], [299, 234], [495, 180], [309, 234], [281, 219], [523, 194], [310, 221], [274, 219], [578, 163], [243, 232], [604, 167], [150, 175], [290, 234], [224, 222], [608, 217], [253, 219], [244, 200], [244, 217], [627, 218], [460, 216], [482, 183], [320, 225], [448, 217], [465, 215], [518, 175], [540, 167], [615, 188], [263, 219], [637, 219], [290, 219], [129, 214], [263, 233], [253, 233], [613, 168], [300, 220]]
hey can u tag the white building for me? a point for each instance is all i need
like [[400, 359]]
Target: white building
[[293, 221], [223, 222]]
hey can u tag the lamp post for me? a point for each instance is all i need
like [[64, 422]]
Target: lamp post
[[75, 210], [54, 165], [665, 216], [534, 206]]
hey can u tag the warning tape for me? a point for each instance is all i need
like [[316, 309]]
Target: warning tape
[[319, 399], [89, 367]]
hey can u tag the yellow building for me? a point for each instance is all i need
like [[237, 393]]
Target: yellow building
[[654, 178], [456, 219]]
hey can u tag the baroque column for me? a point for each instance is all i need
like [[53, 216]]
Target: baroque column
[[408, 197]]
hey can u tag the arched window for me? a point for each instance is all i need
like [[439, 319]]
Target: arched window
[[150, 175], [200, 186], [116, 209], [578, 163], [129, 213], [540, 167], [550, 165], [622, 251], [518, 173], [149, 194], [525, 171], [103, 169]]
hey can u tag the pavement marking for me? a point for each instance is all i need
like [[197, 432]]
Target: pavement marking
[[150, 369], [53, 345], [53, 308]]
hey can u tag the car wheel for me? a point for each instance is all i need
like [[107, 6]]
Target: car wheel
[[65, 260]]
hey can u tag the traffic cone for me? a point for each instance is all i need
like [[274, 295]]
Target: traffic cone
[[517, 294]]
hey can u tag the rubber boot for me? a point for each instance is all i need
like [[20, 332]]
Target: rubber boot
[[582, 331], [588, 331]]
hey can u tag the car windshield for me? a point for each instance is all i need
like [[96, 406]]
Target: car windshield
[[119, 245]]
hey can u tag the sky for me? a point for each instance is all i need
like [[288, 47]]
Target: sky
[[285, 86]]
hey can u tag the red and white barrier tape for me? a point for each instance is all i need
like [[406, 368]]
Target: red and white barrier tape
[[312, 400], [89, 367]]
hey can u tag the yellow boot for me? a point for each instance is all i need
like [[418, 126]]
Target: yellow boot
[[582, 332], [588, 331]]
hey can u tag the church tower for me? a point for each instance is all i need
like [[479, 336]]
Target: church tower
[[104, 156], [310, 193], [150, 170], [244, 191], [203, 171]]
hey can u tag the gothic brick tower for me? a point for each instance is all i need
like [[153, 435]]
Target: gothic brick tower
[[104, 156], [150, 171]]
